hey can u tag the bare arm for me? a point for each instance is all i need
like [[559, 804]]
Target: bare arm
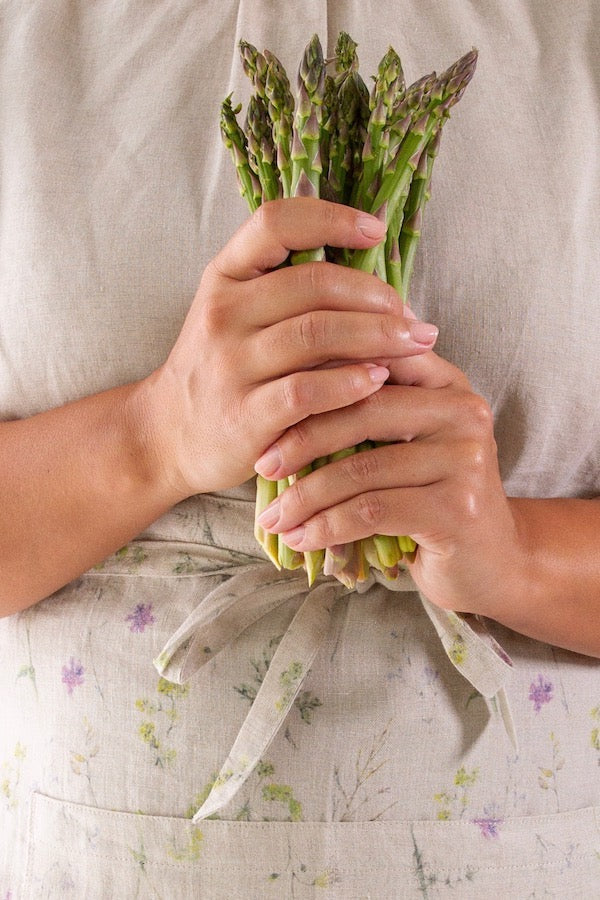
[[80, 481]]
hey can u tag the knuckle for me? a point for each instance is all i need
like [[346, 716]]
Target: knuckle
[[317, 277], [295, 394], [481, 413], [362, 467], [369, 508], [302, 437], [311, 331], [389, 295], [473, 456], [323, 528], [376, 404], [265, 217], [330, 214], [392, 330], [468, 507], [215, 313], [298, 494]]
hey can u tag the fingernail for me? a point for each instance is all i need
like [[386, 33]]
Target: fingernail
[[378, 374], [423, 332], [370, 226], [269, 462], [295, 536], [269, 516]]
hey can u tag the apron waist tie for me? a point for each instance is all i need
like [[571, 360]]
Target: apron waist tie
[[254, 591]]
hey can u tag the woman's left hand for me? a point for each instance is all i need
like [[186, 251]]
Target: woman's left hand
[[436, 479]]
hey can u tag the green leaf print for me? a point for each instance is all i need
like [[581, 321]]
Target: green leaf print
[[306, 702], [10, 776], [453, 802], [191, 851], [548, 777], [288, 681], [457, 651], [162, 715], [82, 759], [262, 792], [282, 793]]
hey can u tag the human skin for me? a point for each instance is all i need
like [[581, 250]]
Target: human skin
[[531, 564], [253, 359]]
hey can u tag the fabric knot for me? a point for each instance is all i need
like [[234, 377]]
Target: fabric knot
[[255, 590]]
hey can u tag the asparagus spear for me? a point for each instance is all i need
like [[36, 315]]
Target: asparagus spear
[[305, 156], [261, 149], [236, 142], [372, 150], [280, 102], [397, 176], [388, 91]]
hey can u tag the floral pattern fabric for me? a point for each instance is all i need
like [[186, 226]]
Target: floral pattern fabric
[[390, 775], [393, 770]]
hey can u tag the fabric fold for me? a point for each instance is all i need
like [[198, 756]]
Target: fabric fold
[[253, 590]]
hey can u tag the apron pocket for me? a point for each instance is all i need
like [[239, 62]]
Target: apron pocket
[[90, 853]]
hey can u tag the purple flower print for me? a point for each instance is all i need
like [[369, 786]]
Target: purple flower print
[[540, 692], [72, 675], [140, 617], [488, 826]]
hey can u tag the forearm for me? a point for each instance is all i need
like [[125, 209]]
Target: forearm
[[559, 602], [78, 482]]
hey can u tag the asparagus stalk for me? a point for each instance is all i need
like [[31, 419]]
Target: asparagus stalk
[[305, 156], [261, 149], [388, 90], [236, 142], [306, 172], [413, 211], [372, 150], [280, 103]]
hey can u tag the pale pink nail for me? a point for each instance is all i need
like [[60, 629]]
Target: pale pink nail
[[269, 516], [423, 332], [269, 462], [295, 536], [378, 374], [370, 226]]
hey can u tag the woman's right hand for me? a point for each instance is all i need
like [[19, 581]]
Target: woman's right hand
[[264, 347]]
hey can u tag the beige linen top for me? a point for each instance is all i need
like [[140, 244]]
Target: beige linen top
[[391, 775]]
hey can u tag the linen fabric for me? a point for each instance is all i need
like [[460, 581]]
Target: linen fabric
[[391, 776]]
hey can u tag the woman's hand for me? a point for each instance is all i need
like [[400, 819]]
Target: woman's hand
[[438, 481], [82, 480], [245, 366]]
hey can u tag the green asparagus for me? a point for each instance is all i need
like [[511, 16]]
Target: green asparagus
[[374, 150]]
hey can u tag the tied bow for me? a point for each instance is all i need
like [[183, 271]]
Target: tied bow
[[251, 593]]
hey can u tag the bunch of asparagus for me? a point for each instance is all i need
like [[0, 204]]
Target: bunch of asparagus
[[370, 149]]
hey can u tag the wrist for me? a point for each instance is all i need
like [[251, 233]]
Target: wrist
[[553, 595], [151, 428]]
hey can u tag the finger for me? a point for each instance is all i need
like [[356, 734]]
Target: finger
[[427, 370], [383, 468], [393, 511], [302, 394], [322, 335], [393, 414], [294, 290], [301, 223]]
